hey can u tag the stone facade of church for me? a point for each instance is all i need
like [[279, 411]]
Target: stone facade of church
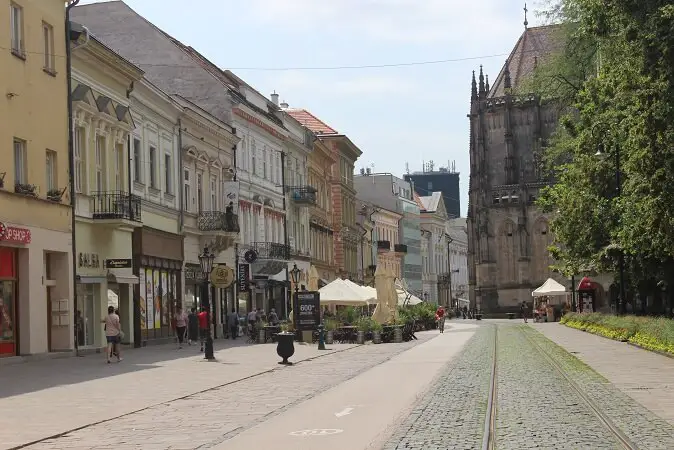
[[508, 235]]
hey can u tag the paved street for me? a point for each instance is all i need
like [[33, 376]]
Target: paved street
[[426, 394]]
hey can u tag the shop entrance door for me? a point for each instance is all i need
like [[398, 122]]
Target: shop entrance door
[[85, 314]]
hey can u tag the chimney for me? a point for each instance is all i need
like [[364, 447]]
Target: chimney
[[284, 105], [274, 98]]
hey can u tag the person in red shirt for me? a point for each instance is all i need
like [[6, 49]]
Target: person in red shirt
[[203, 326], [440, 318]]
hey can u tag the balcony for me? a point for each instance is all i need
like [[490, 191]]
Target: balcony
[[218, 221], [383, 246], [302, 195], [400, 248], [267, 258], [116, 206]]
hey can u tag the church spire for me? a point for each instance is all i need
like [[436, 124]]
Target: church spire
[[526, 22], [481, 83], [473, 88], [486, 83]]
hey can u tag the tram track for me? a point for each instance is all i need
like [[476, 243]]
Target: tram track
[[489, 439]]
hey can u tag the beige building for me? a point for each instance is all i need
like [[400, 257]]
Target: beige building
[[35, 222], [386, 226], [321, 237], [106, 212]]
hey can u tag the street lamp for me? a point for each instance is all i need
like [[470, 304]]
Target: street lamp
[[295, 277], [618, 188], [206, 260]]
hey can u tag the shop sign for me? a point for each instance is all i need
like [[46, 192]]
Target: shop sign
[[243, 276], [14, 234], [193, 272], [222, 277], [89, 261], [307, 310], [118, 263]]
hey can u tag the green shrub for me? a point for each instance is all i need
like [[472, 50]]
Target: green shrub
[[651, 333]]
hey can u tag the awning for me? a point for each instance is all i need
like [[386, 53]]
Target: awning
[[84, 279], [123, 278], [281, 276], [549, 288]]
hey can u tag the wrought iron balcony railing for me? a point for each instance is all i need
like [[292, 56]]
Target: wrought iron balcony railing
[[400, 248], [116, 205], [303, 195], [384, 245], [218, 221], [271, 250]]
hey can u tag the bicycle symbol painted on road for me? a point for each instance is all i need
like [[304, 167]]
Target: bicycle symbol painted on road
[[318, 432]]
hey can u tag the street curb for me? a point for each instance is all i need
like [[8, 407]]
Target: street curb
[[255, 375]]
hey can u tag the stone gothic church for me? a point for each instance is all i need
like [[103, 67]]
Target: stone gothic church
[[508, 235]]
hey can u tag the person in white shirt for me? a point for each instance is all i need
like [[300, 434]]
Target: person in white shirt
[[113, 331], [252, 319]]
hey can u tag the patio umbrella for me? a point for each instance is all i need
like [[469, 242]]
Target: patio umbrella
[[340, 293], [312, 285], [382, 312]]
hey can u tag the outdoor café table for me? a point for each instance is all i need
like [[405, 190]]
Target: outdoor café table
[[348, 334], [270, 331]]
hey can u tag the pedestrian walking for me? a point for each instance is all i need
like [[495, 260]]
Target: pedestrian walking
[[180, 320], [192, 327], [233, 323], [113, 334], [203, 327], [523, 311]]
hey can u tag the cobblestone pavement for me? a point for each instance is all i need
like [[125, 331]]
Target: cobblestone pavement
[[451, 414], [206, 419], [536, 406], [645, 429]]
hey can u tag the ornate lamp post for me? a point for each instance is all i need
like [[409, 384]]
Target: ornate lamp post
[[295, 277], [206, 260]]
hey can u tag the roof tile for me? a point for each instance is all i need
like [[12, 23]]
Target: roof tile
[[310, 121]]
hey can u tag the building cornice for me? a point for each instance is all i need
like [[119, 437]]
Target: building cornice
[[251, 117]]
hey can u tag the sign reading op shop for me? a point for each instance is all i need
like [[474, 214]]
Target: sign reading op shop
[[14, 234]]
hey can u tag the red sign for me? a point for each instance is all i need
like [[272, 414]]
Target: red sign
[[586, 284], [14, 234]]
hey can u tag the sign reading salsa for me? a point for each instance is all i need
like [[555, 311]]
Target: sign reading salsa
[[307, 311]]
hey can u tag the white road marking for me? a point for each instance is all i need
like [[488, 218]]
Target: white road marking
[[344, 412], [317, 432]]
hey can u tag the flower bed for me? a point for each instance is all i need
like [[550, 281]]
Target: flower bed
[[651, 333]]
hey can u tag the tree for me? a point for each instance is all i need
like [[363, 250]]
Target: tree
[[626, 107]]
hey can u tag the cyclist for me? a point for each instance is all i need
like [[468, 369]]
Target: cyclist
[[440, 318]]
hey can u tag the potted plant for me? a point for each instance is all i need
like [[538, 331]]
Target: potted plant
[[55, 195], [363, 326], [285, 346], [376, 328], [330, 327], [25, 189]]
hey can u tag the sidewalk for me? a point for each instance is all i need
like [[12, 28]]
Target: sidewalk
[[645, 376], [49, 397]]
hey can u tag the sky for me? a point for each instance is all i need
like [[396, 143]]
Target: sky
[[400, 115]]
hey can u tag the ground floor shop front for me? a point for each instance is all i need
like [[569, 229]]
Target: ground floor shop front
[[104, 278], [35, 291]]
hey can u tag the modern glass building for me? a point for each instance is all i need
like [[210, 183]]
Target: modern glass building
[[411, 236]]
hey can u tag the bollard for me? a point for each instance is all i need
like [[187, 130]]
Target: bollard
[[321, 337]]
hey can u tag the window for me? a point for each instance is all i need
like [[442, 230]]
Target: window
[[79, 147], [48, 43], [16, 26], [153, 167], [137, 162], [119, 167], [200, 192], [168, 171], [100, 163], [20, 163], [214, 194], [253, 153], [186, 190], [264, 163], [430, 187], [51, 170]]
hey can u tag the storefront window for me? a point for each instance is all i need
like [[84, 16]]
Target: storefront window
[[85, 314], [157, 299]]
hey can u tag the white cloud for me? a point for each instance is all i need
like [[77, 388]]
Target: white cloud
[[411, 21]]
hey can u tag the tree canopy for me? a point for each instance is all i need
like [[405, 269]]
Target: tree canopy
[[619, 61]]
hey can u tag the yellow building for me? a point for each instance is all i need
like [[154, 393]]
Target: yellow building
[[387, 236], [35, 220], [321, 235], [106, 212]]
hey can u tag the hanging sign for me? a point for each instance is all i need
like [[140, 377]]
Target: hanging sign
[[244, 275], [222, 277]]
